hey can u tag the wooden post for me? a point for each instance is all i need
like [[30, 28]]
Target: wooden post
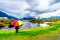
[[38, 19]]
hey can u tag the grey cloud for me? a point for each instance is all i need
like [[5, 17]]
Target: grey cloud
[[25, 8]]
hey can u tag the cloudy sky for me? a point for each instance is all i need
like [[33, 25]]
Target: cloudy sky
[[34, 8]]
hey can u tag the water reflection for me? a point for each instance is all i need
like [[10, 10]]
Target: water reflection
[[25, 25], [29, 25]]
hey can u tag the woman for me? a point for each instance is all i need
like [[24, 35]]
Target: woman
[[16, 24]]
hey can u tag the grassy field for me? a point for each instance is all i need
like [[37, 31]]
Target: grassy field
[[46, 33]]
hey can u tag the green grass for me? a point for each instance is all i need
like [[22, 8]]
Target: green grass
[[32, 33]]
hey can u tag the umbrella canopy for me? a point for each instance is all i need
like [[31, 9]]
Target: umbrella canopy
[[17, 23]]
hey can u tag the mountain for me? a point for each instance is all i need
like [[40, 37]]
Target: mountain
[[28, 18], [43, 18], [55, 17], [51, 17], [2, 14]]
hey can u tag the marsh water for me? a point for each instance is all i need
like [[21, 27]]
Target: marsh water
[[28, 25], [25, 25]]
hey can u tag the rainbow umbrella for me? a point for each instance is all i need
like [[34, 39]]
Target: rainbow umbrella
[[16, 23]]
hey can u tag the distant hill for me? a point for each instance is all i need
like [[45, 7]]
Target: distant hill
[[51, 17], [2, 14], [5, 15], [55, 17], [28, 18]]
